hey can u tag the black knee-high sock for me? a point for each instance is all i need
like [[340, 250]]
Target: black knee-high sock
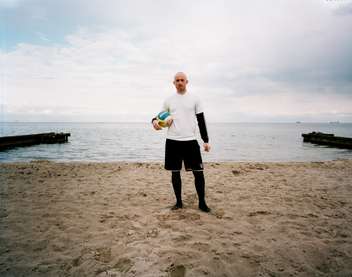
[[200, 186], [176, 183]]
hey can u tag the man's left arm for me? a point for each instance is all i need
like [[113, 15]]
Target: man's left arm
[[203, 130]]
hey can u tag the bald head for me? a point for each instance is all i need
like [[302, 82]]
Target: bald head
[[180, 82], [180, 74]]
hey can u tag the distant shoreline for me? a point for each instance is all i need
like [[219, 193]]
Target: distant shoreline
[[157, 162], [139, 122]]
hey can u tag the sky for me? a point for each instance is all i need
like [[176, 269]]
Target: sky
[[112, 60]]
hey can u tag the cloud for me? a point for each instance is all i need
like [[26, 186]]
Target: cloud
[[345, 10], [9, 4], [251, 61]]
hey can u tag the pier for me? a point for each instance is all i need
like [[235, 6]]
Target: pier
[[34, 139], [328, 139]]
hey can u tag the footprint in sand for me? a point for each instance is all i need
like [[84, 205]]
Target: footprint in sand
[[103, 254], [177, 271], [123, 265], [182, 238], [200, 246], [219, 213], [190, 199], [178, 216]]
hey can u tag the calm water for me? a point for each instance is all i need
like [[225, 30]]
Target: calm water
[[139, 142]]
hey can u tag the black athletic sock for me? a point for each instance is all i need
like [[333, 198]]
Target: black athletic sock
[[176, 183], [200, 187]]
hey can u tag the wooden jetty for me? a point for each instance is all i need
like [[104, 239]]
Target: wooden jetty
[[28, 140], [328, 139]]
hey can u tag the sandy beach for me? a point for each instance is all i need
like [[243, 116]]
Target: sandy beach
[[114, 219]]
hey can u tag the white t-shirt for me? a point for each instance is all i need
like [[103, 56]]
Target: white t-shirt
[[183, 109]]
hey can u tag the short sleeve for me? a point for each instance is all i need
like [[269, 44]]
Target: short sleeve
[[165, 107], [199, 106]]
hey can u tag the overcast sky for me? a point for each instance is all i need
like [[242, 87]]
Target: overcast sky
[[249, 61]]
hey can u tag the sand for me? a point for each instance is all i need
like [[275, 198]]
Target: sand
[[114, 219]]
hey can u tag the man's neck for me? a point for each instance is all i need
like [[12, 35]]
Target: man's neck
[[181, 91]]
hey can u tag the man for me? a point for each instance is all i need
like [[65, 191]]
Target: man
[[181, 143]]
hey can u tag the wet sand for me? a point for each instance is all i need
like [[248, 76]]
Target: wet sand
[[114, 219]]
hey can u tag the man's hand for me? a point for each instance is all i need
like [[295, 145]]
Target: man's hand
[[156, 125], [206, 147], [169, 121]]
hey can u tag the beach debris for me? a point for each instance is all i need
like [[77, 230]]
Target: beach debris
[[153, 233], [34, 139], [259, 213], [105, 217], [236, 172], [328, 140]]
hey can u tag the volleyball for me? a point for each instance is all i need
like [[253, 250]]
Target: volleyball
[[162, 119]]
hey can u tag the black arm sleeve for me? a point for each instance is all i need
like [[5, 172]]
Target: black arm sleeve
[[202, 127]]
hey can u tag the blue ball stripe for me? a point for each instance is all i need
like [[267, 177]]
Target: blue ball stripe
[[163, 115]]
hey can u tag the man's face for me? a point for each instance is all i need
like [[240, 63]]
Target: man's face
[[180, 82]]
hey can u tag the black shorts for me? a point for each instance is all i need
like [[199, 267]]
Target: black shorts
[[188, 151]]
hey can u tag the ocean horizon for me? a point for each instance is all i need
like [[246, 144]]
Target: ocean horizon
[[139, 142]]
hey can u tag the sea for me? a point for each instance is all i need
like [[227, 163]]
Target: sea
[[139, 142]]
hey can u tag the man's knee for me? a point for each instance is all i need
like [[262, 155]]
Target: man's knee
[[176, 176], [176, 173], [198, 172]]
